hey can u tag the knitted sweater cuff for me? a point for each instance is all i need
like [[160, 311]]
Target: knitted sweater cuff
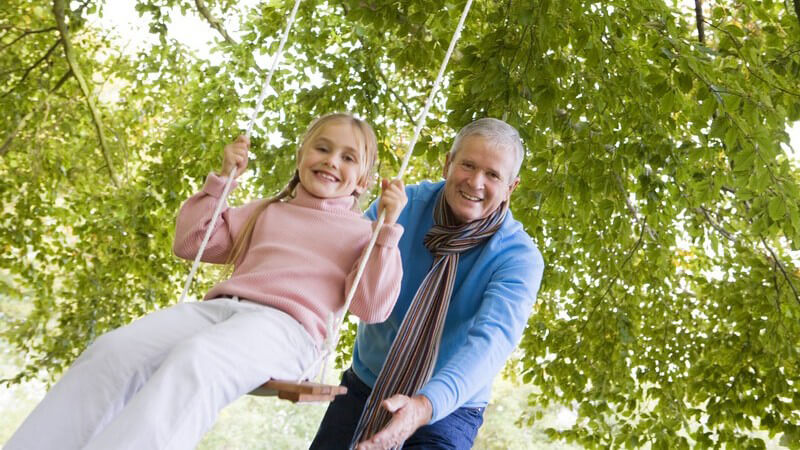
[[215, 184]]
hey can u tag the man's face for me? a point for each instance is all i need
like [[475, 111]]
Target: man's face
[[478, 179]]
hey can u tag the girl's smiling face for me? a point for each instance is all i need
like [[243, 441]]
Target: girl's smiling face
[[331, 164]]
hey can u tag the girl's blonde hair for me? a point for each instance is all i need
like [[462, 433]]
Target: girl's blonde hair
[[366, 140]]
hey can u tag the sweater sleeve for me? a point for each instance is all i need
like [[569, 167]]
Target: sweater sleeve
[[194, 218], [379, 287], [498, 326]]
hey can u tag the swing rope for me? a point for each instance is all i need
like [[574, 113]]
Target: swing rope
[[232, 175], [381, 219], [333, 331]]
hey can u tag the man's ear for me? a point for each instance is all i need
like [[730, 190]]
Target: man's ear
[[446, 167], [512, 187]]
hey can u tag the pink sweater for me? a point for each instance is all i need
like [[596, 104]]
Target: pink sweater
[[302, 257]]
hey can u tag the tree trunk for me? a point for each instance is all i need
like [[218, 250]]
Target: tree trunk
[[58, 10]]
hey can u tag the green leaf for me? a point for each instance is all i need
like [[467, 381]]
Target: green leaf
[[776, 209], [685, 82]]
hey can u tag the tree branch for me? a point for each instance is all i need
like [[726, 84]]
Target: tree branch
[[698, 12], [777, 295], [632, 208], [58, 10], [30, 69], [7, 142], [214, 22], [772, 257], [217, 25], [747, 66], [616, 277], [27, 33], [386, 83], [388, 86], [714, 224], [782, 269], [797, 10]]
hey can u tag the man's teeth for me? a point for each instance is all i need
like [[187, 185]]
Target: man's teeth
[[470, 198]]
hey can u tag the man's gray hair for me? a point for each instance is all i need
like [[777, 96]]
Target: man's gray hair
[[498, 134]]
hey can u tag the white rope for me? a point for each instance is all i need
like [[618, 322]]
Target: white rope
[[232, 175], [275, 59], [207, 236], [331, 340], [381, 219]]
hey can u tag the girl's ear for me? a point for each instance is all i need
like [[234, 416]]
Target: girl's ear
[[360, 188], [298, 155]]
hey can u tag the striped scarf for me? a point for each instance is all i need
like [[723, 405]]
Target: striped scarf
[[411, 358]]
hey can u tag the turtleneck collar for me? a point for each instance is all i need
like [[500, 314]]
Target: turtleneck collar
[[337, 204]]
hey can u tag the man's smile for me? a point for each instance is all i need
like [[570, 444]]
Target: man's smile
[[471, 198]]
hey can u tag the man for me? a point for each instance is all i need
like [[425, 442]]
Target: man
[[496, 272]]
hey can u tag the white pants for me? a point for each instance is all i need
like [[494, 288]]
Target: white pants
[[160, 382]]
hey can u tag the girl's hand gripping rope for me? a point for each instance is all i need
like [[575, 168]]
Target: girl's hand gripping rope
[[393, 199], [235, 155]]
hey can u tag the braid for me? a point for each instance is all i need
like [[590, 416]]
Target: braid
[[289, 189], [242, 241]]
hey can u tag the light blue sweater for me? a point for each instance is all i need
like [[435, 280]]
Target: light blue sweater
[[494, 293]]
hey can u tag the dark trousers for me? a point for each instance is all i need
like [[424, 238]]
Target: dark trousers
[[456, 431]]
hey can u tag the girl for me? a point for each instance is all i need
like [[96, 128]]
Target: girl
[[159, 382]]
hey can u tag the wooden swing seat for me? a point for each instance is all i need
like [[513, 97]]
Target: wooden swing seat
[[300, 392]]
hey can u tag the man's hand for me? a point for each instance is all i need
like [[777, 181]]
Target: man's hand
[[408, 414]]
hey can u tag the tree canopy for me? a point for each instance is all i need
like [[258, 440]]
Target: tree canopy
[[658, 181]]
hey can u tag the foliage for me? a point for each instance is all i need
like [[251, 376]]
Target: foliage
[[657, 184]]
